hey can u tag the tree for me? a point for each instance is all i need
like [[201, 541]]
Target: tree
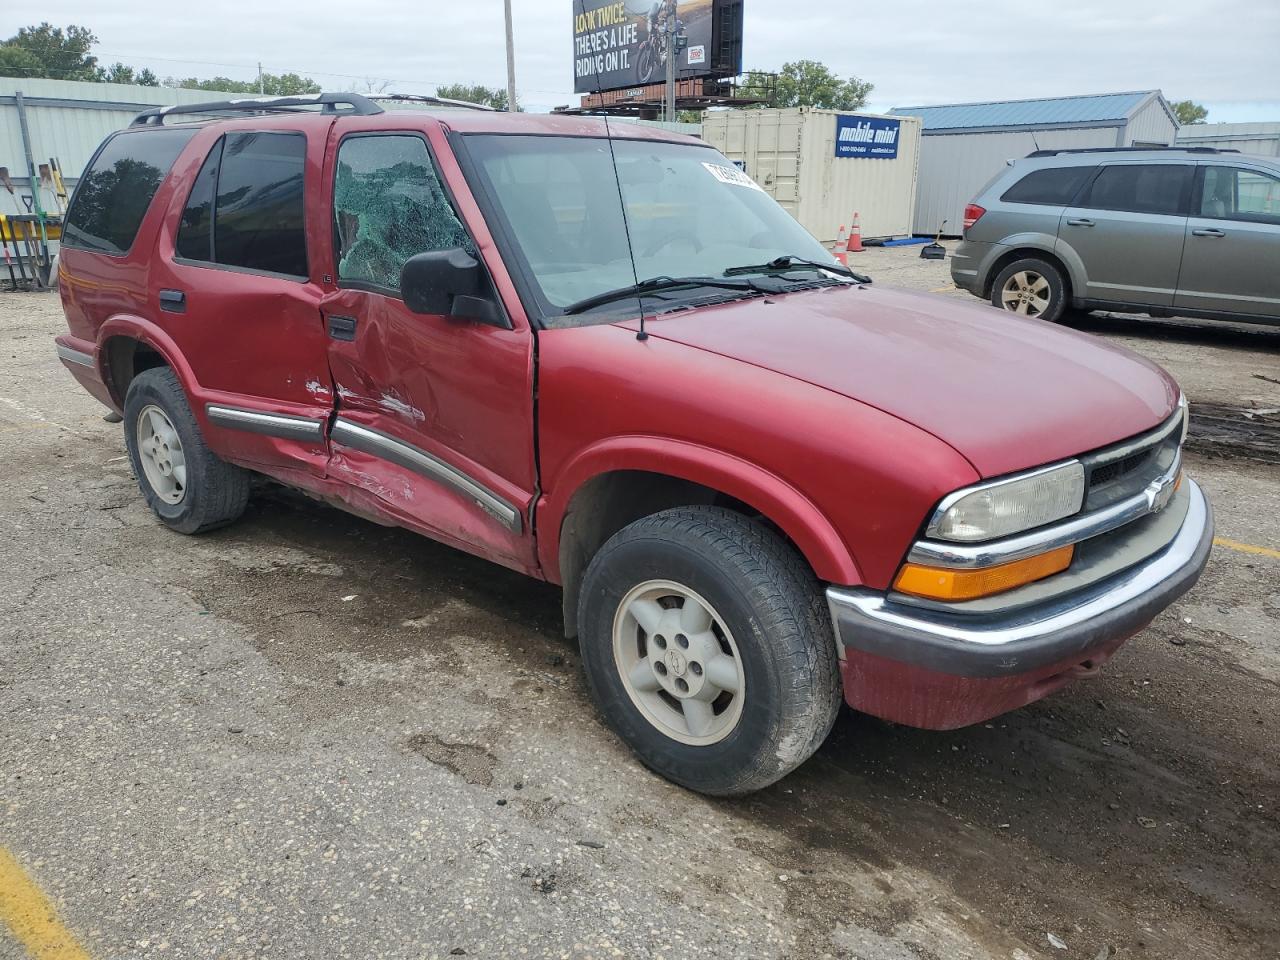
[[17, 61], [475, 93], [1189, 112], [60, 54], [806, 83], [116, 73], [147, 79], [284, 85]]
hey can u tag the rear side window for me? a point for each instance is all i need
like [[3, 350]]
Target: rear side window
[[1161, 188], [245, 209], [1057, 186], [115, 192], [1236, 193]]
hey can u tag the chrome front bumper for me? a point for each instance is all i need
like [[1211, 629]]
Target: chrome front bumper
[[1004, 644]]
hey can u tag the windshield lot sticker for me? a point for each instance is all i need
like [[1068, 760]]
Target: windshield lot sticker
[[731, 175]]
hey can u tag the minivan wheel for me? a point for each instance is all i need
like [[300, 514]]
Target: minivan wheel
[[183, 482], [1030, 288], [707, 648]]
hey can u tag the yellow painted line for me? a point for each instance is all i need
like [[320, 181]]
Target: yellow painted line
[[949, 286], [30, 917], [1246, 548]]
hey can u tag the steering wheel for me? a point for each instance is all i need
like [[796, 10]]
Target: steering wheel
[[670, 238]]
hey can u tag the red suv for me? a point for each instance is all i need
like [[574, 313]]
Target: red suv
[[599, 354]]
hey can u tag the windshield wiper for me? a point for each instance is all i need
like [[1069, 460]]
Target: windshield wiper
[[787, 262], [653, 285]]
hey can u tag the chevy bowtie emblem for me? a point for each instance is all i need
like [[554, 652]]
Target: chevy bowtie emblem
[[1160, 492]]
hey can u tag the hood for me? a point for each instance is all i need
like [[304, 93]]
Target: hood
[[1006, 392]]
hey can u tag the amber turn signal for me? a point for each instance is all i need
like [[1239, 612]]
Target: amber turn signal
[[941, 583]]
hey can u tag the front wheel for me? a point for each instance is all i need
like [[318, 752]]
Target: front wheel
[[707, 649], [1031, 288]]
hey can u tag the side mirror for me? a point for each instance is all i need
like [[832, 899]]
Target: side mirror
[[447, 283]]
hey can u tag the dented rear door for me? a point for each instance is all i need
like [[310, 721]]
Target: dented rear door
[[434, 415]]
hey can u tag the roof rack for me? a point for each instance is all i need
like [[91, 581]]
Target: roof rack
[[1174, 149], [346, 103], [442, 101]]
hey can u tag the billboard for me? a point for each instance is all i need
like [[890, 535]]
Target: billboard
[[623, 43], [874, 137]]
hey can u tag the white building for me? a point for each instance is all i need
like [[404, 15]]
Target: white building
[[1259, 138], [964, 145]]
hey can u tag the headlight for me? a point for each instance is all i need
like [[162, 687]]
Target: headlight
[[1186, 417], [1020, 503]]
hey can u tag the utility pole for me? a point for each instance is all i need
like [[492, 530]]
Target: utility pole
[[676, 42], [261, 88], [511, 60], [670, 111]]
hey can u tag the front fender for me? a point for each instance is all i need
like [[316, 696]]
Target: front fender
[[774, 498]]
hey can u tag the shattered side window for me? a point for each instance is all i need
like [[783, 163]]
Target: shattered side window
[[388, 205]]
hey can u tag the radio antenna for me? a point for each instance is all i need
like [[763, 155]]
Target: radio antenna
[[622, 203]]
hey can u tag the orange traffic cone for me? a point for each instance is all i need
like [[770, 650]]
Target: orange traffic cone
[[841, 250], [855, 236]]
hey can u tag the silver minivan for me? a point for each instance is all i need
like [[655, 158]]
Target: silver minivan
[[1177, 231]]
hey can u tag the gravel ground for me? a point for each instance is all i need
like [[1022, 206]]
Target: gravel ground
[[309, 736]]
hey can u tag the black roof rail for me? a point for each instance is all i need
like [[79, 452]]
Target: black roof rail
[[1174, 149], [346, 103], [423, 98]]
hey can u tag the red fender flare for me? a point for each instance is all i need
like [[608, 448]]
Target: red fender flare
[[797, 516]]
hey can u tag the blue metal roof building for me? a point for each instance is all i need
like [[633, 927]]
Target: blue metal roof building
[[964, 145]]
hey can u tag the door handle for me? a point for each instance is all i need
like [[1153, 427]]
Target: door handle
[[1209, 232], [173, 301], [1080, 222], [342, 328]]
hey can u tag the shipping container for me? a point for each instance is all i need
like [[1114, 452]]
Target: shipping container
[[822, 166]]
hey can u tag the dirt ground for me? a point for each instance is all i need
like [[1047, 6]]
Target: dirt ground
[[309, 736]]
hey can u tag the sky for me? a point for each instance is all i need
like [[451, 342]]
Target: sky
[[1221, 53]]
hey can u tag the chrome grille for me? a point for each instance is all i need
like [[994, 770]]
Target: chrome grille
[[1124, 469]]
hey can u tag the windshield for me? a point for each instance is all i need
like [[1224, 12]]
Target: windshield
[[690, 212]]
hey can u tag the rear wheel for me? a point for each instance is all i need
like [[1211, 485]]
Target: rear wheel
[[707, 648], [184, 482], [1030, 288]]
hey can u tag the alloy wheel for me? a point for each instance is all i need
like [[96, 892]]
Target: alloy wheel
[[678, 662], [1026, 293], [160, 451]]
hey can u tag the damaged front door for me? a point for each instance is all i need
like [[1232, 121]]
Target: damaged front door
[[434, 414]]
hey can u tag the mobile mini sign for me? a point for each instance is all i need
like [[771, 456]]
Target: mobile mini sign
[[874, 137]]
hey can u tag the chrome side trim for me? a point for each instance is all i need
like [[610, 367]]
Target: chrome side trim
[[76, 356], [874, 620], [379, 444], [1154, 497], [269, 424]]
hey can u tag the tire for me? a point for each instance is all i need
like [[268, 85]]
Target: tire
[[1016, 287], [768, 619], [198, 491], [644, 62]]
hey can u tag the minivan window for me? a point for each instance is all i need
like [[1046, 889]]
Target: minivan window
[[116, 190], [1236, 193], [258, 220], [1159, 188], [1057, 186], [388, 205]]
